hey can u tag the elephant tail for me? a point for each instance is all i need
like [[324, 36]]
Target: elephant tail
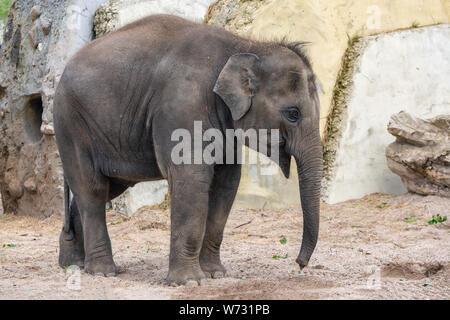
[[67, 219]]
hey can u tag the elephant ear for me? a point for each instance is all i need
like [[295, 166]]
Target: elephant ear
[[237, 83]]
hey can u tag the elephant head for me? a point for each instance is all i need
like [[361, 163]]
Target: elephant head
[[277, 90]]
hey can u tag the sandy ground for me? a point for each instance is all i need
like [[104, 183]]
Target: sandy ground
[[377, 247]]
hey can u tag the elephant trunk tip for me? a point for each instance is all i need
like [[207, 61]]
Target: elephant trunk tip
[[302, 263]]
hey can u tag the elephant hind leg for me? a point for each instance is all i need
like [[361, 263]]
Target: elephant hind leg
[[71, 240], [97, 244], [90, 192]]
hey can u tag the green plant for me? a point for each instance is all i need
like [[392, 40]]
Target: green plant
[[4, 8], [382, 205], [276, 256], [9, 245], [353, 38], [415, 24], [410, 219], [436, 219], [283, 240], [165, 204]]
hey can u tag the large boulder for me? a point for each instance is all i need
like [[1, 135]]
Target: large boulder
[[421, 153]]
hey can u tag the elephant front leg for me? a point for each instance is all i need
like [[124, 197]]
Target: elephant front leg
[[222, 195], [189, 207]]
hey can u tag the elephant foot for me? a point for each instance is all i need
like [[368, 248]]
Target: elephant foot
[[103, 266], [71, 250], [188, 276], [211, 265], [214, 270]]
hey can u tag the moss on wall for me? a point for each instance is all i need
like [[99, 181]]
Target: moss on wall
[[338, 111], [4, 8]]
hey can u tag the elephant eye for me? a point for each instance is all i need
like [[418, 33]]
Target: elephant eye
[[292, 114]]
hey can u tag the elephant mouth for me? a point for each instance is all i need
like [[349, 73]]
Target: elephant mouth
[[284, 162], [284, 158]]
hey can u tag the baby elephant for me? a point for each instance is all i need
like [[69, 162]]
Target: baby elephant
[[124, 101]]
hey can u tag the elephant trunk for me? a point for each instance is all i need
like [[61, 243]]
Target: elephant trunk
[[309, 166]]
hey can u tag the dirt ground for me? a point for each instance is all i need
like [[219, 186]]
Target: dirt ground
[[377, 247]]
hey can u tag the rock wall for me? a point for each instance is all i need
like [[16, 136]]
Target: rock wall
[[405, 70], [39, 38]]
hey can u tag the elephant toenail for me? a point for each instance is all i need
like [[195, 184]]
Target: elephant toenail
[[191, 283]]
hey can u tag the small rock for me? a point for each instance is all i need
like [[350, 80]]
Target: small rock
[[47, 129], [30, 185], [15, 189], [34, 13], [191, 283], [36, 35], [46, 26]]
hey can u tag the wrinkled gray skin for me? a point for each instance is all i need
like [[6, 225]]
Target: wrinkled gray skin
[[121, 97]]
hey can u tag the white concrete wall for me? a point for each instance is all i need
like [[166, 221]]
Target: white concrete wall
[[407, 70], [132, 10], [2, 27]]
